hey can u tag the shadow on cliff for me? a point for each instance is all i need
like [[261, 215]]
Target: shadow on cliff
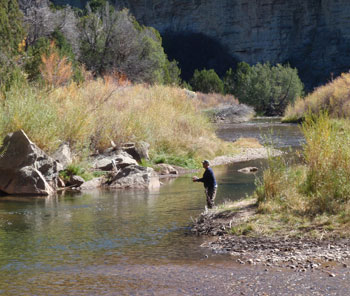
[[321, 57], [197, 51]]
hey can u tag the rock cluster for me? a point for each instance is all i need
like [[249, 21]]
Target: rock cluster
[[26, 170]]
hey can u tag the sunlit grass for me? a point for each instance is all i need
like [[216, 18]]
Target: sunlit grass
[[311, 198], [333, 97], [91, 115]]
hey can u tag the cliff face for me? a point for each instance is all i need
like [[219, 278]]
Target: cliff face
[[313, 35]]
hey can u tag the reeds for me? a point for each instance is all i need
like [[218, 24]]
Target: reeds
[[322, 183]]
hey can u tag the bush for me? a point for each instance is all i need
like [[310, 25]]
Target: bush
[[269, 89], [207, 81]]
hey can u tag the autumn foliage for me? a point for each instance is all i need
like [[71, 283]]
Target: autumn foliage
[[55, 70]]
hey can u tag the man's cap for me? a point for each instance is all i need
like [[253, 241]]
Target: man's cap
[[206, 161]]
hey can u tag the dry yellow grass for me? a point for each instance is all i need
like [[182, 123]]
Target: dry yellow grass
[[247, 143], [100, 111], [333, 97]]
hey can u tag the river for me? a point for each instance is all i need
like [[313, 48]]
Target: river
[[129, 242]]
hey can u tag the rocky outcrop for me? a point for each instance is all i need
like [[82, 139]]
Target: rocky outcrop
[[313, 35], [25, 168], [134, 176]]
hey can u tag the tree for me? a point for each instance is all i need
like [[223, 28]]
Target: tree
[[45, 46], [114, 41], [269, 89], [42, 21], [207, 81], [11, 36]]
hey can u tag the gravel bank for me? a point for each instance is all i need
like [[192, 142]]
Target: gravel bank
[[299, 254]]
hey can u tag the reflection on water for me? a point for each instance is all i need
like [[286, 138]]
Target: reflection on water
[[108, 228]]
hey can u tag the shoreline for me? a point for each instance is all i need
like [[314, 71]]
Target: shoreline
[[246, 154], [280, 250]]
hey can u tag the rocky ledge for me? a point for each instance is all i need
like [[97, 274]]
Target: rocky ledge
[[299, 254]]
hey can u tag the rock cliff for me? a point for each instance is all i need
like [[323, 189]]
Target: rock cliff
[[313, 35]]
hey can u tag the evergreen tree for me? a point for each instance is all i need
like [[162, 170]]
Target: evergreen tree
[[207, 81], [269, 89]]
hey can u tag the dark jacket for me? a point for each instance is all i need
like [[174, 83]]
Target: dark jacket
[[208, 179]]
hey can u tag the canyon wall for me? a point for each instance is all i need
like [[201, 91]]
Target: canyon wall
[[313, 35]]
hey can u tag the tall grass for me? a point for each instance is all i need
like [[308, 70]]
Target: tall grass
[[327, 156], [333, 97], [93, 114], [322, 183]]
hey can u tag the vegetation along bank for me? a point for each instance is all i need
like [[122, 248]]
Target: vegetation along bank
[[299, 213]]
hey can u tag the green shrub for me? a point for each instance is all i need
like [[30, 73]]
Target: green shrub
[[269, 89], [76, 170], [327, 156], [207, 81]]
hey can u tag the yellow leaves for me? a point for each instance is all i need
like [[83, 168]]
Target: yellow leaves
[[22, 45]]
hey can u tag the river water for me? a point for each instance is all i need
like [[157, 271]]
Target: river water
[[122, 242]]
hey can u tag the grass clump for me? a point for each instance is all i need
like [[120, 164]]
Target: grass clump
[[312, 197], [76, 170], [333, 97]]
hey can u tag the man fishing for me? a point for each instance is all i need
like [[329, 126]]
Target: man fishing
[[209, 182]]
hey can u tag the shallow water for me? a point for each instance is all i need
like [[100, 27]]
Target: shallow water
[[74, 235], [267, 130]]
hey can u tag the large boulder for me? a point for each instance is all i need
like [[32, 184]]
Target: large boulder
[[75, 180], [63, 155], [25, 168], [138, 151], [117, 160], [92, 184], [166, 169], [135, 176]]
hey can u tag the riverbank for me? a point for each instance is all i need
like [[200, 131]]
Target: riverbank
[[298, 216], [232, 229]]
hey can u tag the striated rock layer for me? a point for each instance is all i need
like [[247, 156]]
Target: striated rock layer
[[313, 35]]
